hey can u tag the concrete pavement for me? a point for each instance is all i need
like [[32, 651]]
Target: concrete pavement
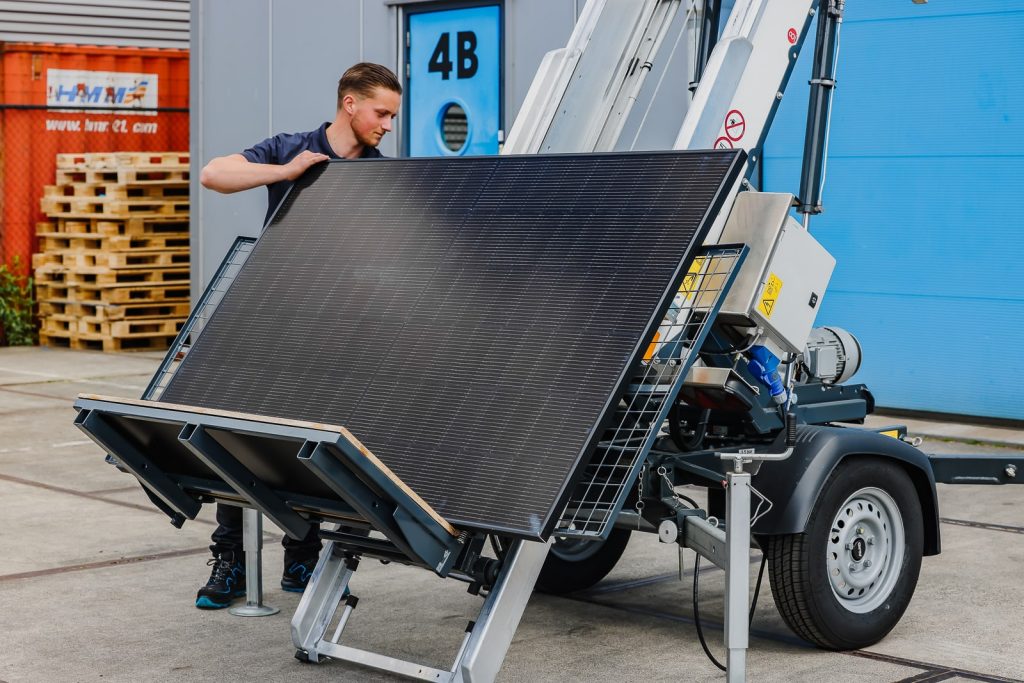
[[96, 585]]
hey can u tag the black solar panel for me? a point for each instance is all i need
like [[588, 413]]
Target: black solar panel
[[468, 319]]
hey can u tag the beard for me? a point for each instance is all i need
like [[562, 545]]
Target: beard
[[369, 138]]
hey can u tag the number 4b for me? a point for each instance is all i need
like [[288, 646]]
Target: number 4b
[[440, 61]]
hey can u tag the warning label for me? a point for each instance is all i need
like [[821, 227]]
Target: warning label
[[770, 295], [723, 143], [690, 281], [735, 125]]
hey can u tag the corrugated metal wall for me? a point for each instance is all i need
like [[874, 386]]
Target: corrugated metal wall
[[923, 199], [136, 23]]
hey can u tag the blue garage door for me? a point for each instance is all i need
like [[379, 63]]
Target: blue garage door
[[923, 199]]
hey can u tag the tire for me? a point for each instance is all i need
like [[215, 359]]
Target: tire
[[574, 565], [846, 581]]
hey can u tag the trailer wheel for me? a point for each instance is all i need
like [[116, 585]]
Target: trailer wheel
[[573, 565], [845, 582]]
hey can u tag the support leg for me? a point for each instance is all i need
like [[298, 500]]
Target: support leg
[[319, 602], [252, 543], [483, 654], [737, 575]]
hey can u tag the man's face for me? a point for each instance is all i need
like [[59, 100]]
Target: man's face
[[372, 116]]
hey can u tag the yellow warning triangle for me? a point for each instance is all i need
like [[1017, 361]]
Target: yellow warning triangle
[[767, 305]]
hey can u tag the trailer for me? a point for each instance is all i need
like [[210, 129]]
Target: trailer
[[719, 380]]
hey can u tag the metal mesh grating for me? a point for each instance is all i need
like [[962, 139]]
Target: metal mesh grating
[[607, 479]]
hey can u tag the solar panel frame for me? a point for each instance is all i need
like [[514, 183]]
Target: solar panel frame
[[731, 171]]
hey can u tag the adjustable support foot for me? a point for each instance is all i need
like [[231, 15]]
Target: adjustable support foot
[[252, 543]]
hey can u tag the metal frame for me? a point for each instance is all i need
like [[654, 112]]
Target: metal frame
[[331, 453], [483, 647]]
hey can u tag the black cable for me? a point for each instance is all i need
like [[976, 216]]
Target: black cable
[[757, 589], [696, 616], [696, 606]]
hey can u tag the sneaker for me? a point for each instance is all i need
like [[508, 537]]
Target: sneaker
[[227, 582], [297, 572]]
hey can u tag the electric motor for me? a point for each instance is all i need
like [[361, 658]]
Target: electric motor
[[832, 355]]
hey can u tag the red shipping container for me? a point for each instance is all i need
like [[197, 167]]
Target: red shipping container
[[74, 99]]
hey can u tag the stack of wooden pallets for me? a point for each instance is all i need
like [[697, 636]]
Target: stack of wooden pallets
[[113, 269]]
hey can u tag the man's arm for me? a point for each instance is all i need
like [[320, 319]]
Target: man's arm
[[234, 173]]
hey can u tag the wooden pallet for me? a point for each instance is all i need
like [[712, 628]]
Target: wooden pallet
[[129, 328], [169, 190], [132, 343], [95, 207], [98, 311], [106, 159], [126, 294], [91, 242], [103, 225], [125, 276], [97, 260], [139, 175], [135, 342]]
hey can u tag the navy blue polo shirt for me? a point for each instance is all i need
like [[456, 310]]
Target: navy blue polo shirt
[[284, 147]]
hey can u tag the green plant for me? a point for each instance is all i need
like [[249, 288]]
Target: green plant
[[16, 304]]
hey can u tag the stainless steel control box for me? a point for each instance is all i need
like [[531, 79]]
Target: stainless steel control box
[[783, 279]]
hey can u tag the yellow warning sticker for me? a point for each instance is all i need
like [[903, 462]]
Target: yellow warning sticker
[[770, 295], [894, 433], [692, 278]]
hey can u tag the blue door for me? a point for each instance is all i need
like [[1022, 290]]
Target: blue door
[[453, 62]]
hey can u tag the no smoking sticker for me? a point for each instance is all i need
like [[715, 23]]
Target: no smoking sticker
[[723, 143], [735, 125]]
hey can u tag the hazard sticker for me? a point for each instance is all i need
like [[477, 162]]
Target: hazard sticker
[[791, 35], [770, 295], [735, 125], [723, 143], [690, 281]]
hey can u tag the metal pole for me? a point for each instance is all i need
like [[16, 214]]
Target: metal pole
[[252, 542], [737, 574]]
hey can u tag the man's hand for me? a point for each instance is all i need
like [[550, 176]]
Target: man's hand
[[234, 173], [297, 166]]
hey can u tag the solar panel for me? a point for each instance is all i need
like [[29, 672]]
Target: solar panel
[[470, 320]]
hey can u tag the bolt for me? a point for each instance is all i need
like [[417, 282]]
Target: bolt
[[867, 563], [860, 531], [853, 567], [871, 541], [849, 546]]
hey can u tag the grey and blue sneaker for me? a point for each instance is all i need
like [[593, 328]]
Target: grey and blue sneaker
[[297, 572], [227, 581]]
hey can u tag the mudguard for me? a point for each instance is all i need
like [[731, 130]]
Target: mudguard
[[793, 485]]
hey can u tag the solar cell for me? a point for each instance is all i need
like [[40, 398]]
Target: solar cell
[[470, 320]]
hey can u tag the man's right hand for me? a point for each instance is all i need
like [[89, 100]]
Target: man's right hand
[[234, 173], [297, 166]]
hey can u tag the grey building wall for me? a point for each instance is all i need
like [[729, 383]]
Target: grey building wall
[[135, 23], [261, 67]]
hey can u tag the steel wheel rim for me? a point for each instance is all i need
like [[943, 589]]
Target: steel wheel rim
[[865, 550]]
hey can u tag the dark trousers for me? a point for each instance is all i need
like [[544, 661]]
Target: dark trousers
[[228, 536]]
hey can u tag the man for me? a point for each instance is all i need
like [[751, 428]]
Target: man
[[368, 99]]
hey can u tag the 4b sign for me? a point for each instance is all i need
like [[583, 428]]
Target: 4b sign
[[465, 55]]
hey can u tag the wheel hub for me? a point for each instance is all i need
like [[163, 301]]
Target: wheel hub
[[865, 549]]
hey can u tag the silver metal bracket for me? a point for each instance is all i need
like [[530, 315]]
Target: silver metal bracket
[[483, 647]]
